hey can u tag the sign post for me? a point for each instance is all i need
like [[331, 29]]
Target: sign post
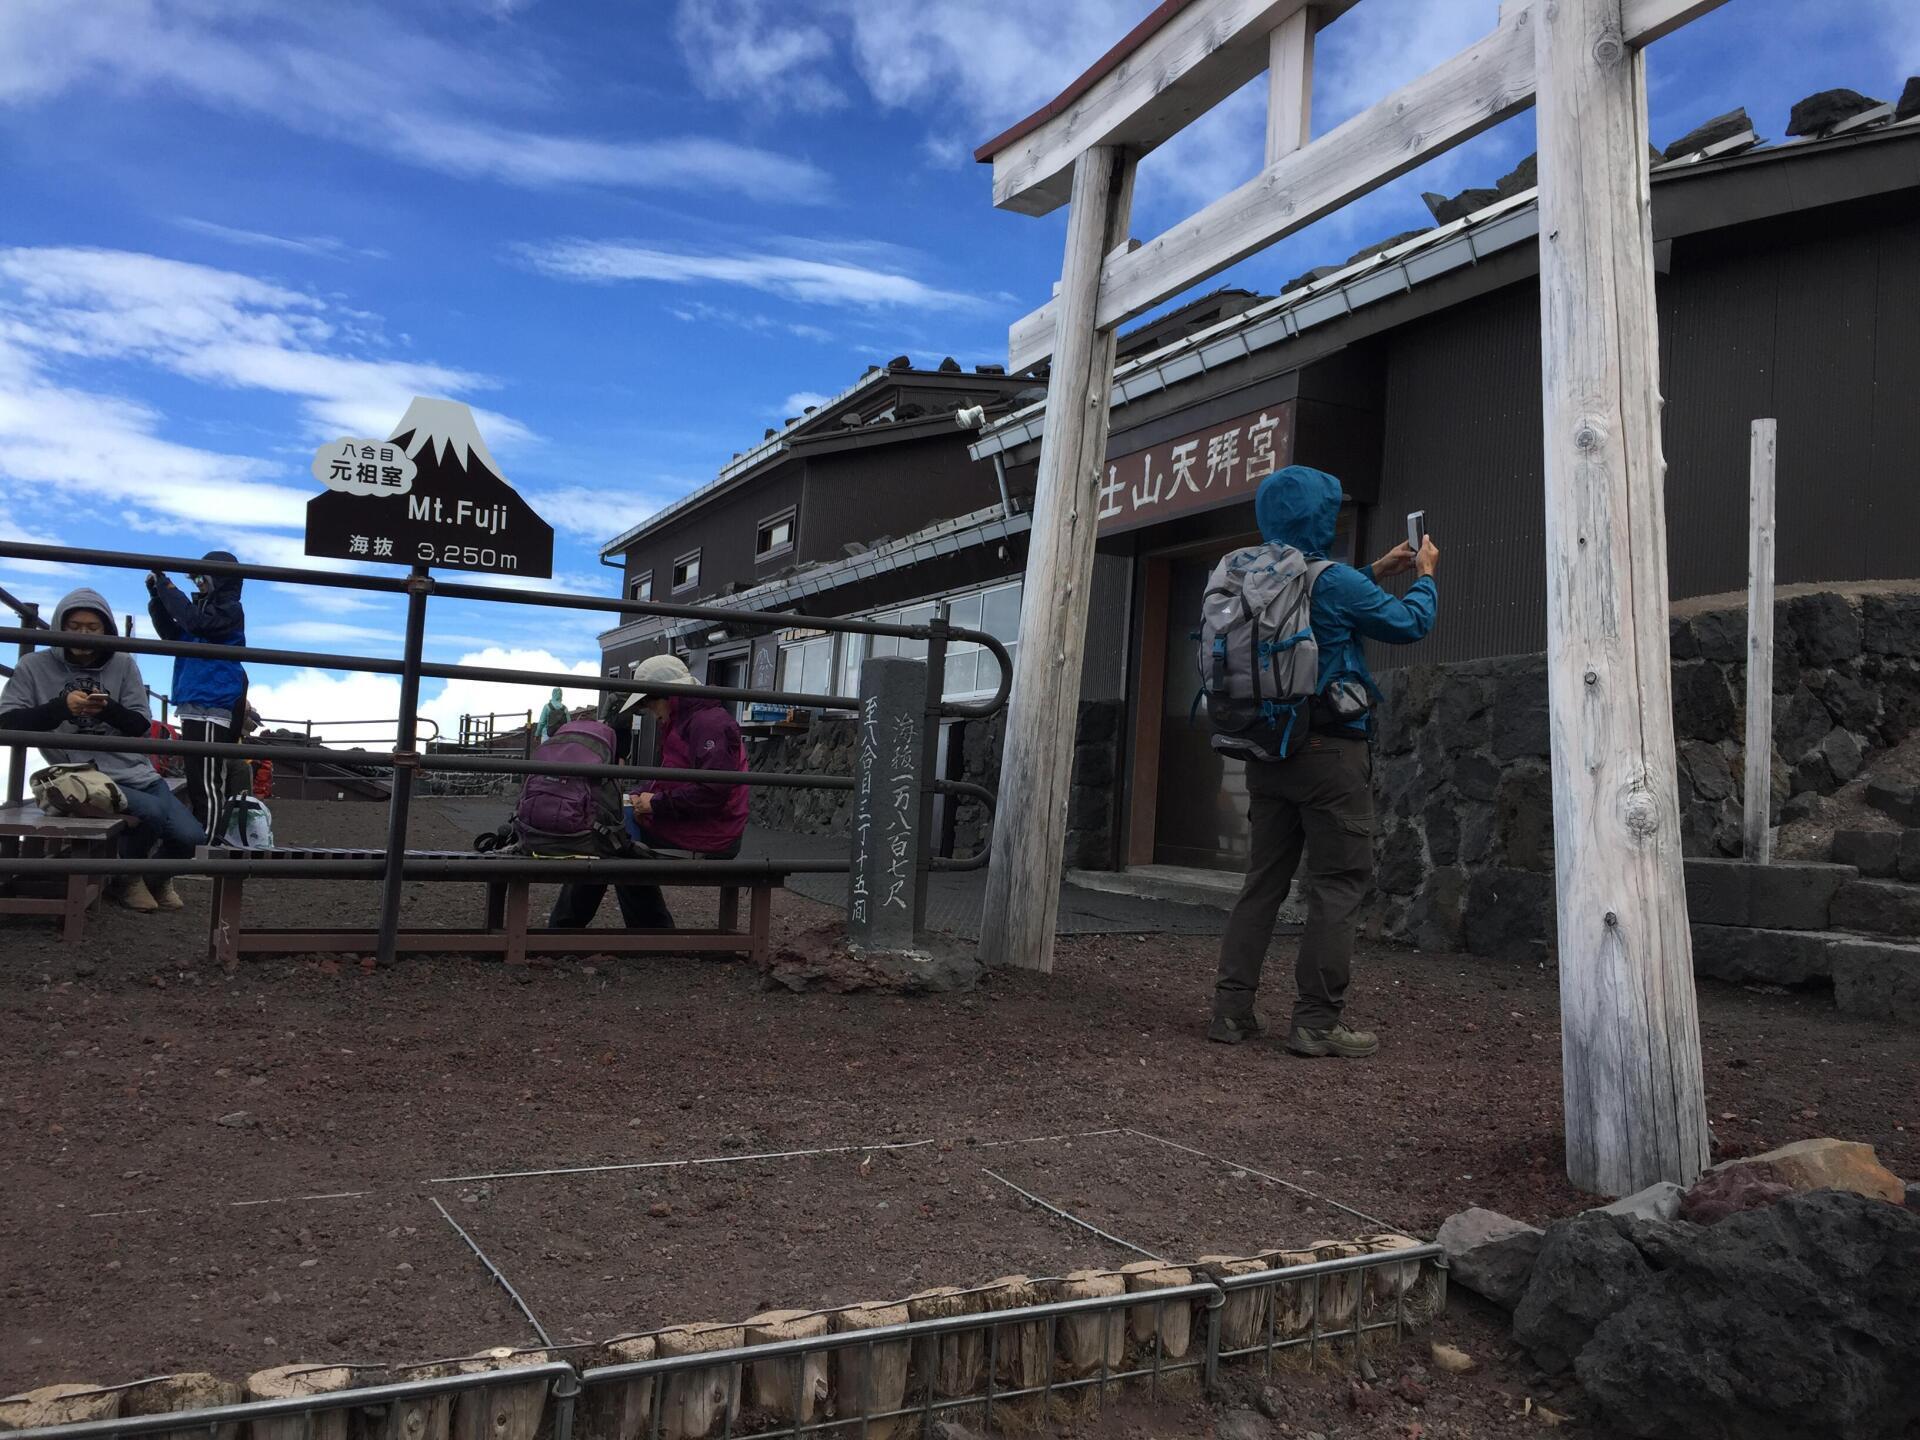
[[887, 833]]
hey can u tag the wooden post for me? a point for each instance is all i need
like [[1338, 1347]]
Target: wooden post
[[1757, 829], [1290, 84], [1023, 879], [1630, 1034]]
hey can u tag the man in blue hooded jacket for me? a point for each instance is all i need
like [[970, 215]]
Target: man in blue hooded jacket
[[1319, 799], [209, 695]]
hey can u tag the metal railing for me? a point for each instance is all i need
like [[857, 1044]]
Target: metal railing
[[408, 757], [1370, 1294], [387, 725]]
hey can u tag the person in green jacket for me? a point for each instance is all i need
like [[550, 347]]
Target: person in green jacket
[[554, 716]]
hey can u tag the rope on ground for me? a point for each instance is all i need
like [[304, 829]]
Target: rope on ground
[[1071, 1219], [494, 1270], [1299, 1189]]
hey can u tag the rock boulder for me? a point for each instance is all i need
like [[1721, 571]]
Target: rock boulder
[[1587, 1270], [1829, 1164], [1490, 1253], [1800, 1320]]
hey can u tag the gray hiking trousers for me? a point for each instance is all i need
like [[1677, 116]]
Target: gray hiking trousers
[[1320, 801]]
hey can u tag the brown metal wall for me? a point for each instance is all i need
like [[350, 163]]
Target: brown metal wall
[[891, 490], [1814, 320]]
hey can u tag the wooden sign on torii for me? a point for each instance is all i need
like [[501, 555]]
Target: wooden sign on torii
[[1635, 1102]]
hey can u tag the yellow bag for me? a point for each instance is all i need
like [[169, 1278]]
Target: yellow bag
[[76, 790]]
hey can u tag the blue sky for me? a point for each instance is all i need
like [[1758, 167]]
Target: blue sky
[[630, 233]]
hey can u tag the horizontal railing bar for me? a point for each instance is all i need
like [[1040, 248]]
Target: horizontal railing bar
[[185, 1420], [461, 763], [1307, 1271], [499, 866]]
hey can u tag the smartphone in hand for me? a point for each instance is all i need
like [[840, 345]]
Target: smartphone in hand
[[1416, 530]]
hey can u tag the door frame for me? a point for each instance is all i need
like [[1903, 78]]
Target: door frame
[[1150, 664]]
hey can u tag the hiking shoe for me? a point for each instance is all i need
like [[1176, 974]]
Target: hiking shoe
[[168, 897], [131, 891], [1232, 1029], [1339, 1041]]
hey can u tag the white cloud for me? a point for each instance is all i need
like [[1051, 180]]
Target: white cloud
[[839, 279], [748, 51], [798, 402], [699, 312], [63, 308], [407, 94], [331, 698], [327, 247], [598, 514], [290, 634]]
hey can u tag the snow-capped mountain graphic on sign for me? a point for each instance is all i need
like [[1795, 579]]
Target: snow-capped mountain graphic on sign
[[456, 513]]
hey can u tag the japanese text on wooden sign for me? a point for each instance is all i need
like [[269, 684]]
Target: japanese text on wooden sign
[[1219, 465]]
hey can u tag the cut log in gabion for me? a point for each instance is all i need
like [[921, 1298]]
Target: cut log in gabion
[[1414, 1287], [500, 1412], [192, 1390], [1091, 1343], [291, 1382], [1020, 1350], [1339, 1294], [698, 1402], [623, 1411], [428, 1417], [58, 1405], [950, 1364], [1168, 1325], [770, 1383], [1243, 1319], [855, 1393], [1293, 1300]]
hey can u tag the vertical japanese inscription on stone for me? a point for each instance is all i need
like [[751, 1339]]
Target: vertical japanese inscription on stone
[[886, 799]]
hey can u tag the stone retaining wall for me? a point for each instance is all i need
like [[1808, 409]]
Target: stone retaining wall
[[1465, 799]]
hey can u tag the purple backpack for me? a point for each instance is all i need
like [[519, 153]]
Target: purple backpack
[[572, 814]]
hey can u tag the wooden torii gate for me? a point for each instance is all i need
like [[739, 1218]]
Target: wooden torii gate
[[1635, 1105]]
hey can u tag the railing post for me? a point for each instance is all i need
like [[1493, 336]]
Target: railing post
[[17, 760], [406, 761], [929, 764]]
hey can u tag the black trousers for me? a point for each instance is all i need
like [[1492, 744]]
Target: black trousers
[[207, 774], [1320, 802], [642, 907]]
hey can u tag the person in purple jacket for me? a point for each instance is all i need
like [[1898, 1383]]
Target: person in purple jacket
[[707, 820]]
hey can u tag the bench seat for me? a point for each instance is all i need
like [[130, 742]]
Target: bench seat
[[505, 928]]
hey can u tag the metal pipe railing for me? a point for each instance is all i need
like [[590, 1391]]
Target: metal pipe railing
[[406, 758]]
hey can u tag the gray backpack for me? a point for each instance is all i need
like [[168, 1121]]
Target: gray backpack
[[1259, 663]]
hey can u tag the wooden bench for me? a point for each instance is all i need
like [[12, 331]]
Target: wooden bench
[[28, 833], [505, 931]]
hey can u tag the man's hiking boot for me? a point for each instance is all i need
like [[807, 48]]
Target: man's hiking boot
[[1232, 1029], [167, 897], [1339, 1041], [131, 891]]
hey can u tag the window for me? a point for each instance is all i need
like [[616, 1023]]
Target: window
[[686, 572], [775, 535], [643, 587], [806, 667], [972, 671]]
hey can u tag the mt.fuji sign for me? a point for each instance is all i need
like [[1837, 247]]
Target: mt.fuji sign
[[429, 494]]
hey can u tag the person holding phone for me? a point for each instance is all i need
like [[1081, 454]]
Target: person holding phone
[[210, 695], [1318, 802], [81, 690]]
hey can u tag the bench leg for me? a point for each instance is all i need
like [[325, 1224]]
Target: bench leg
[[223, 922], [729, 908], [496, 904], [515, 921], [73, 915], [759, 944]]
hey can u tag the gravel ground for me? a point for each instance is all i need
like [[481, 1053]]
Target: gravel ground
[[144, 1095]]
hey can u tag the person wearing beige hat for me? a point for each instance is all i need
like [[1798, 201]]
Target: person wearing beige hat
[[702, 818]]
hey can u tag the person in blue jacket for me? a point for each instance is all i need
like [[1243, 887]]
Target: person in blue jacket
[[210, 696], [1319, 800]]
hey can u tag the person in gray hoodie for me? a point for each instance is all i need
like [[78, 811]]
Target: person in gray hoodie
[[83, 691]]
